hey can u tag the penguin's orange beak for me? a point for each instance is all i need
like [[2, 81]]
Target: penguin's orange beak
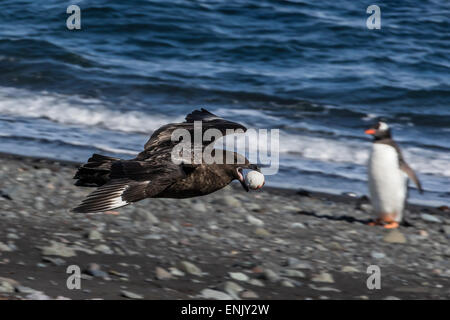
[[370, 131]]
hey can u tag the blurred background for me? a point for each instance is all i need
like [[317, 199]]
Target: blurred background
[[310, 68]]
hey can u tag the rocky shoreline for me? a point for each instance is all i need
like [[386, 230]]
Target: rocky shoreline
[[270, 244]]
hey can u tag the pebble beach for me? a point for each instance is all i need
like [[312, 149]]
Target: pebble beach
[[266, 244]]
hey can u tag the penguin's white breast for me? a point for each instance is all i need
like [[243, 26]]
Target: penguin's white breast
[[387, 183]]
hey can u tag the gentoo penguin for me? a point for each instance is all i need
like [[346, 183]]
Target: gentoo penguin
[[388, 177], [154, 174]]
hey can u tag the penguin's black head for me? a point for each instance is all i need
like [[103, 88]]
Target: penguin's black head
[[379, 131]]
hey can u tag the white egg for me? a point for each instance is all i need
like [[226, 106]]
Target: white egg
[[254, 180]]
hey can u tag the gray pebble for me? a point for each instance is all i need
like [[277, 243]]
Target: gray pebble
[[94, 270], [238, 276], [256, 282], [312, 286], [287, 283], [94, 235], [37, 295], [162, 274], [214, 294], [199, 207], [270, 275], [394, 236], [233, 289], [12, 236], [175, 272], [103, 248], [55, 261], [349, 269], [190, 268], [131, 295], [229, 201], [293, 273], [430, 218], [4, 247], [261, 232], [298, 225], [6, 287], [377, 255], [295, 263], [248, 294], [23, 289], [58, 249], [255, 221], [323, 277]]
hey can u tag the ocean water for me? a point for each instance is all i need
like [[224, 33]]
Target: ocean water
[[309, 68]]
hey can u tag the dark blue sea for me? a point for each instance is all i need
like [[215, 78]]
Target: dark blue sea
[[309, 68]]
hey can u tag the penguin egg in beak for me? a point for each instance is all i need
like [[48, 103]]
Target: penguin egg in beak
[[254, 180]]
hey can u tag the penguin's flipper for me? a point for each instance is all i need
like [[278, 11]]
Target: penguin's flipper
[[411, 174]]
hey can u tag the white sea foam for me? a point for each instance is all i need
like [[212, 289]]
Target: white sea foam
[[370, 117], [356, 152], [341, 151], [103, 147], [254, 114], [305, 147], [77, 110], [115, 150]]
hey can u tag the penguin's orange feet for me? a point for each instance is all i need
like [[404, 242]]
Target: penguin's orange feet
[[375, 222], [389, 222], [391, 225]]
